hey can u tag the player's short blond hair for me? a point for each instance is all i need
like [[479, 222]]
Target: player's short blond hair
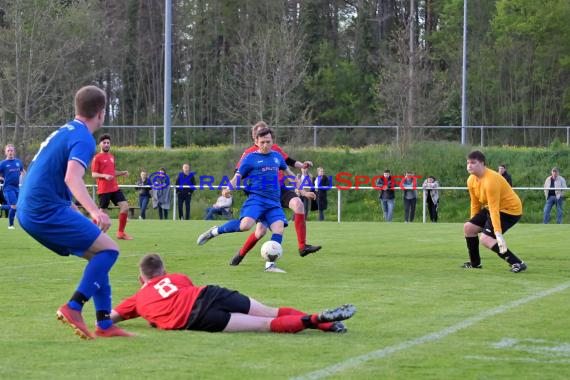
[[151, 266], [259, 125]]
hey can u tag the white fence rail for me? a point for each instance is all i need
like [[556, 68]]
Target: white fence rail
[[424, 198], [339, 196]]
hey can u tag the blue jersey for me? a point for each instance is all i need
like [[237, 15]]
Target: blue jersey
[[10, 170], [44, 187], [262, 171]]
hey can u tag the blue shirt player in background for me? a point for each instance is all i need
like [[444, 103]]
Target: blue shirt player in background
[[45, 211], [10, 170], [263, 203]]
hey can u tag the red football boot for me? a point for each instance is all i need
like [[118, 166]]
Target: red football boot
[[111, 332], [74, 319], [124, 236]]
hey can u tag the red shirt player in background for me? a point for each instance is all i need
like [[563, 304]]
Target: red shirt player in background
[[289, 199], [103, 169], [170, 301]]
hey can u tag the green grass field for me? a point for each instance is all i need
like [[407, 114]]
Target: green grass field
[[419, 315]]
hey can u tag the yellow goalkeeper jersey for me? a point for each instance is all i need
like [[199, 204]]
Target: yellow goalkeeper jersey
[[493, 192]]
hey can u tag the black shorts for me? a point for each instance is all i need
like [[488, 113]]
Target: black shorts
[[115, 197], [286, 196], [212, 310], [483, 220]]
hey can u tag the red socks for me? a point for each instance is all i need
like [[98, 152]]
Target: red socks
[[301, 228], [248, 245], [287, 324], [122, 221], [282, 311], [294, 323]]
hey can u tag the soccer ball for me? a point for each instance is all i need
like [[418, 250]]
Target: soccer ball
[[271, 251]]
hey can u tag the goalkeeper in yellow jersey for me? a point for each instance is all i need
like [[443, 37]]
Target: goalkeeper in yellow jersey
[[495, 208]]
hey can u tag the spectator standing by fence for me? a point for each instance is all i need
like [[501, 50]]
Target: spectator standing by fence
[[431, 185], [386, 195], [554, 197], [185, 193], [143, 187], [505, 174], [322, 186], [161, 194], [410, 197]]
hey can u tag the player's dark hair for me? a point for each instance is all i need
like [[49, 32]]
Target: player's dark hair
[[264, 132], [151, 266], [503, 166], [432, 177], [476, 155], [89, 101], [386, 170], [105, 136]]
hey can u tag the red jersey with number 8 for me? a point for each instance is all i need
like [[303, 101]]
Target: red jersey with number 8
[[165, 302]]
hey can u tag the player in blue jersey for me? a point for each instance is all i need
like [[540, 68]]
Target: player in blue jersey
[[264, 203], [45, 211], [11, 170]]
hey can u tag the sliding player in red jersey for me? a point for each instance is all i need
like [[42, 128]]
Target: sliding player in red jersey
[[289, 199], [170, 301]]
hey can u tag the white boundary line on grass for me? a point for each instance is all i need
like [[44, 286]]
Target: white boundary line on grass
[[524, 360], [383, 352]]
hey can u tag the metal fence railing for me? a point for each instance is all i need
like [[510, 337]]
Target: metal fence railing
[[321, 135]]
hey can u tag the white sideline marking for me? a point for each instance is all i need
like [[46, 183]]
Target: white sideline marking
[[383, 352], [525, 360]]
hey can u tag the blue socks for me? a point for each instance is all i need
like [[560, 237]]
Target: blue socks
[[229, 227], [103, 306], [11, 215], [96, 281], [277, 237]]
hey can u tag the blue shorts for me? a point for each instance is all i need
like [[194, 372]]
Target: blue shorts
[[63, 230], [11, 196], [262, 211]]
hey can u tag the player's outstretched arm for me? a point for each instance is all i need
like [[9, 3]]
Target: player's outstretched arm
[[74, 181], [108, 177], [116, 317]]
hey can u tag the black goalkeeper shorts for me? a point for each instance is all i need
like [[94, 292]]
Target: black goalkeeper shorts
[[483, 220]]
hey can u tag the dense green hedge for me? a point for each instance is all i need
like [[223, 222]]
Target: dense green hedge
[[446, 161]]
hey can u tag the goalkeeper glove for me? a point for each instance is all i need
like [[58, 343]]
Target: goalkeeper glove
[[501, 242]]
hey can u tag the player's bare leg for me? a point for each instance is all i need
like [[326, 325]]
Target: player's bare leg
[[260, 310], [288, 323]]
